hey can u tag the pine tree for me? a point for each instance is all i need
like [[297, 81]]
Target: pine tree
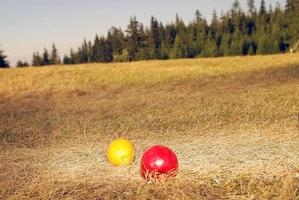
[[155, 39], [236, 7], [250, 50], [117, 40], [82, 54], [22, 64], [37, 60], [251, 7], [133, 39], [214, 25], [144, 49], [73, 57], [67, 60], [19, 63], [264, 45], [210, 47], [45, 60], [292, 6], [108, 55], [237, 44], [54, 59], [275, 37], [179, 49], [250, 21], [102, 50], [263, 10], [97, 50], [292, 20], [3, 62], [170, 35], [200, 32], [257, 31], [89, 52], [224, 48], [184, 38], [163, 50]]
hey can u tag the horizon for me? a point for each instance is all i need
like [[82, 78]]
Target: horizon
[[41, 28]]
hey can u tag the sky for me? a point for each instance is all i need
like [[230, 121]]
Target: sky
[[28, 26]]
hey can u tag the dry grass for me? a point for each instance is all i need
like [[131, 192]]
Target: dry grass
[[232, 121]]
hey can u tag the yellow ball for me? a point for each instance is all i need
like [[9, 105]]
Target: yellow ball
[[120, 152]]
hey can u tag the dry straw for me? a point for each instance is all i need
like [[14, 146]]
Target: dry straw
[[233, 123]]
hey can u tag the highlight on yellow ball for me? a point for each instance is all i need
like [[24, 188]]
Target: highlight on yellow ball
[[120, 152]]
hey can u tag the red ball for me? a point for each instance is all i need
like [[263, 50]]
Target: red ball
[[158, 162]]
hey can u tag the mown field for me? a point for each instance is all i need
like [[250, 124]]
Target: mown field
[[233, 123]]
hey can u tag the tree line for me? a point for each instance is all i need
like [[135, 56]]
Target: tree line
[[263, 30]]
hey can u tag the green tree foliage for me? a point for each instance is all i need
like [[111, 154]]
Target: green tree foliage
[[54, 59], [251, 7], [73, 57], [292, 18], [292, 6], [264, 45], [83, 53], [263, 30], [201, 29], [117, 40], [46, 59], [102, 50], [263, 10], [179, 49], [67, 60], [22, 64], [37, 60], [3, 61], [89, 52], [134, 39], [144, 49], [155, 39], [210, 48]]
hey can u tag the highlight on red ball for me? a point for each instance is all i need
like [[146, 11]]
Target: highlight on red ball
[[159, 163]]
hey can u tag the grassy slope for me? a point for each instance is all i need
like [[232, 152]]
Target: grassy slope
[[232, 121]]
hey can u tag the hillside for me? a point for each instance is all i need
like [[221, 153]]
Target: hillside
[[232, 121]]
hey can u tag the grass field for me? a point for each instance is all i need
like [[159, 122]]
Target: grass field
[[233, 123]]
